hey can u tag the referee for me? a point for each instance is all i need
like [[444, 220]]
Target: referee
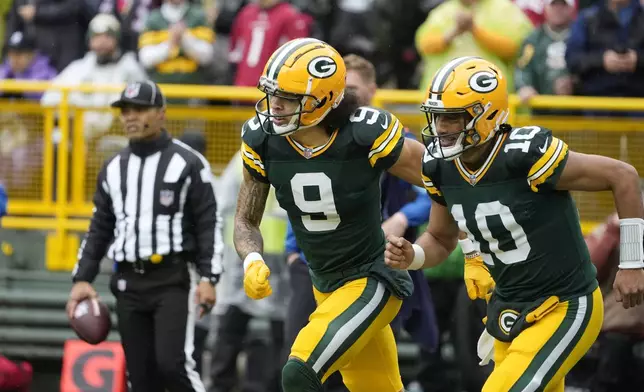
[[156, 216]]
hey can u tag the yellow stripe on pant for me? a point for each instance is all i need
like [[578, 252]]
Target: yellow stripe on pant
[[541, 356], [349, 331]]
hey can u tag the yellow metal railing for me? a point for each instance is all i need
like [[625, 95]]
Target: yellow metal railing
[[56, 195]]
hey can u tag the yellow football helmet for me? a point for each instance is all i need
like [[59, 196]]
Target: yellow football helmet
[[306, 70], [467, 85]]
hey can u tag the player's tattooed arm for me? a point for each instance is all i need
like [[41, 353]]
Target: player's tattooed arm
[[251, 202]]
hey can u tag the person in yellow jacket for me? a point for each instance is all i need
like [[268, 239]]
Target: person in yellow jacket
[[491, 29]]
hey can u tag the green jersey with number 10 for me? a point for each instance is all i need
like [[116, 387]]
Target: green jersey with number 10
[[528, 232], [332, 195]]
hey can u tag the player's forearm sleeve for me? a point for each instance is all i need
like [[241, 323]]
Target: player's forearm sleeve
[[417, 211], [98, 237], [502, 46], [208, 224]]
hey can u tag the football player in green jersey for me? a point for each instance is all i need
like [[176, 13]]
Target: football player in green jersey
[[509, 190], [324, 155]]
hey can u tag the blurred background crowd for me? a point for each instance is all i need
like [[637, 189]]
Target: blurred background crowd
[[545, 47], [581, 47], [571, 47]]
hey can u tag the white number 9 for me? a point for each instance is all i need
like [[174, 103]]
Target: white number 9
[[323, 209]]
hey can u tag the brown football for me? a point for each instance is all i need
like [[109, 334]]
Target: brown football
[[91, 321]]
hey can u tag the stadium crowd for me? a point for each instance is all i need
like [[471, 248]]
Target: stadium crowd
[[581, 47], [550, 47]]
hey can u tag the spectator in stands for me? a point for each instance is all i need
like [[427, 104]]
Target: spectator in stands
[[105, 63], [492, 29], [605, 50], [25, 63], [21, 149], [235, 310], [3, 201], [132, 14], [59, 26], [541, 67], [536, 9], [257, 31], [176, 44]]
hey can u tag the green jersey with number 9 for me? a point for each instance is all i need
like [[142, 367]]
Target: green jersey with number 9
[[332, 195], [528, 232]]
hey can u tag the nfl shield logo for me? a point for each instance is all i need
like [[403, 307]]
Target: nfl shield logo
[[308, 153], [132, 90], [167, 197]]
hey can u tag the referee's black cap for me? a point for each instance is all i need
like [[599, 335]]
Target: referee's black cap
[[143, 93]]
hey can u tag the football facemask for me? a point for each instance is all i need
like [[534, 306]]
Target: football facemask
[[449, 146]]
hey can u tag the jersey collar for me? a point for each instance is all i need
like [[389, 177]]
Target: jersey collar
[[312, 152], [473, 177]]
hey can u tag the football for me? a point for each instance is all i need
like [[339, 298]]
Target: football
[[91, 321]]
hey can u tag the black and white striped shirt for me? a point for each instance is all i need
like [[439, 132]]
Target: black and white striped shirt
[[154, 199]]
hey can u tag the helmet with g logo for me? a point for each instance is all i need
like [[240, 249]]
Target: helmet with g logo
[[467, 85], [308, 71]]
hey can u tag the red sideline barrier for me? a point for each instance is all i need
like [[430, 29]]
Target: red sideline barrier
[[99, 368]]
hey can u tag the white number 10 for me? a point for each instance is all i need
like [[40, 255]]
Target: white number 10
[[483, 211], [323, 208]]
